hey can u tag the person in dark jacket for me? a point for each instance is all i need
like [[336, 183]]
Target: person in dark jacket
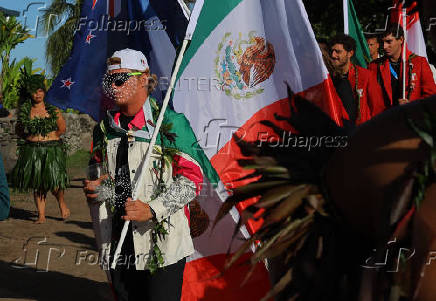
[[4, 193]]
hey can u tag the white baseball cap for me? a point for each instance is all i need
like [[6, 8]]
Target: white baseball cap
[[130, 59]]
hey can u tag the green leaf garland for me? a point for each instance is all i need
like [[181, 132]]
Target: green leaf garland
[[38, 125]]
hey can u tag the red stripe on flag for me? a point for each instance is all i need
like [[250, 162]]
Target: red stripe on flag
[[325, 97], [225, 161], [200, 281]]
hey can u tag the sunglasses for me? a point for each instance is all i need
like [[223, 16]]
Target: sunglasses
[[118, 79]]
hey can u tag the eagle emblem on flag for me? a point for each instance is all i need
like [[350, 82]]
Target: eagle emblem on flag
[[243, 64]]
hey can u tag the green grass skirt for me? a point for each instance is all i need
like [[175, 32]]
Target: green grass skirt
[[41, 166]]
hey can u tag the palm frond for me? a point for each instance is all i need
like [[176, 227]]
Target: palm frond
[[60, 40], [59, 10], [287, 181], [58, 47]]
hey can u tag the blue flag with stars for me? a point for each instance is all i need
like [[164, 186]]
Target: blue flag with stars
[[155, 27]]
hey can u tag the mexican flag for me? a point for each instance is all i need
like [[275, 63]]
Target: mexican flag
[[242, 55], [414, 35], [353, 28]]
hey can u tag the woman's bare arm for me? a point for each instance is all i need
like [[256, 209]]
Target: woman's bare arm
[[60, 123]]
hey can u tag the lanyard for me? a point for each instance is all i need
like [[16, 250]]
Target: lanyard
[[393, 72], [140, 133]]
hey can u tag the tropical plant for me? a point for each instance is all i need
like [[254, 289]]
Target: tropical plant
[[60, 38], [313, 247], [12, 33], [289, 184], [12, 78]]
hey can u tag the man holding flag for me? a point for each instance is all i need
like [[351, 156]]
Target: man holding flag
[[419, 81], [153, 255], [78, 86]]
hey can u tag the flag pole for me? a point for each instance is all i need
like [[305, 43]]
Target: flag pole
[[188, 36], [151, 146], [189, 32], [404, 15], [345, 9]]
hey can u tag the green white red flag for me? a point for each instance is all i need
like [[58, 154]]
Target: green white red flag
[[414, 35], [353, 28], [234, 74]]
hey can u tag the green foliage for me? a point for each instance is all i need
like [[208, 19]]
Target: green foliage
[[11, 80], [40, 167], [37, 126], [60, 40], [71, 111], [159, 233], [11, 84], [288, 182], [12, 33]]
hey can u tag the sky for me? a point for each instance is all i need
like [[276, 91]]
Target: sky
[[31, 12]]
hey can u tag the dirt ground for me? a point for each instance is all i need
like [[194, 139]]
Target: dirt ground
[[53, 261]]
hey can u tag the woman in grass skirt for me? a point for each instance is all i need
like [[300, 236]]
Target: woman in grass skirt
[[41, 164]]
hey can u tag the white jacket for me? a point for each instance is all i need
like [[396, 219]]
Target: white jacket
[[178, 243]]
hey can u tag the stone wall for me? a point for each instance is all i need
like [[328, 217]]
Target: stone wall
[[78, 136], [8, 142], [79, 132]]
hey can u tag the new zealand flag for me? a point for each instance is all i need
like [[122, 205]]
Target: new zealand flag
[[155, 27]]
